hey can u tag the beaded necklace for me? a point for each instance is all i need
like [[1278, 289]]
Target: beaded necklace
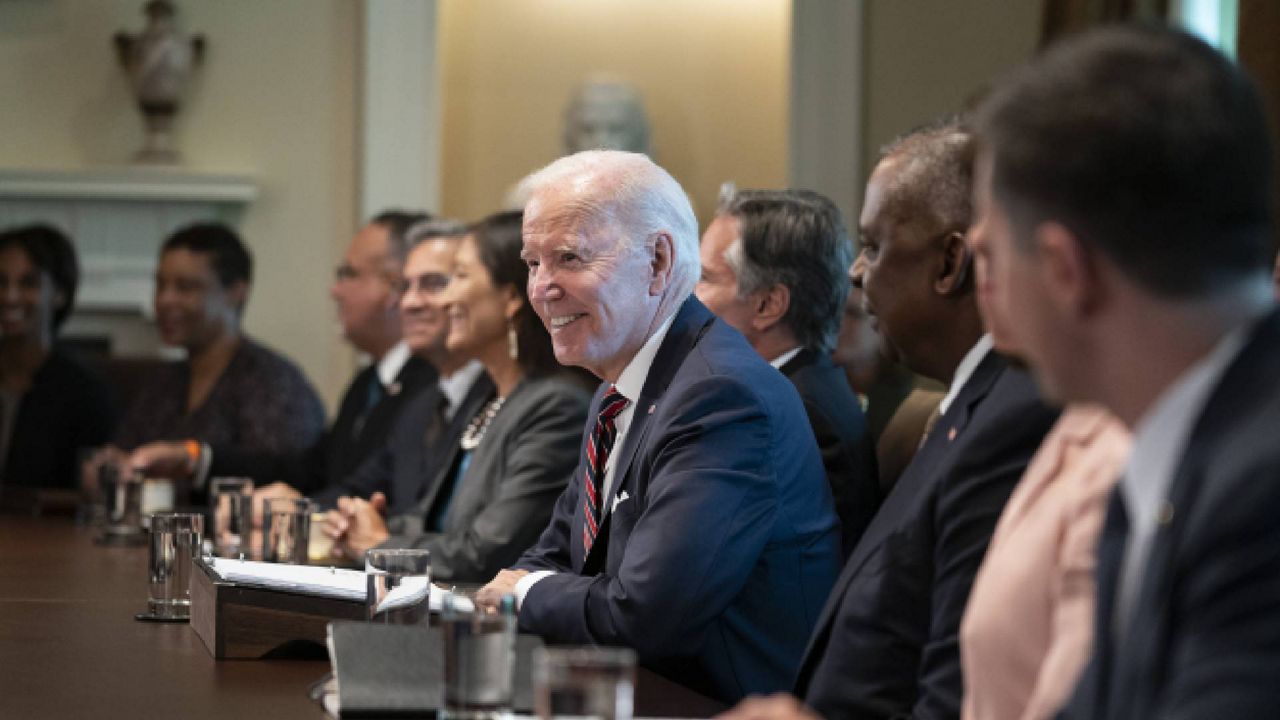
[[475, 431]]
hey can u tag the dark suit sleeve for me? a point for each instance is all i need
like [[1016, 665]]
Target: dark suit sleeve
[[372, 475], [710, 507], [540, 456], [1225, 661], [972, 497]]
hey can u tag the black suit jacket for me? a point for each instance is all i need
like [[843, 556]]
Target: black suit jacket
[[841, 431], [353, 439], [411, 456], [1203, 640], [886, 644]]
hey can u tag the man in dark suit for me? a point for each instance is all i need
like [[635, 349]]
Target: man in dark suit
[[424, 440], [886, 644], [366, 293], [698, 528], [1125, 242], [775, 267]]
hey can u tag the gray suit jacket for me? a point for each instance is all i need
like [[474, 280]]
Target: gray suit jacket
[[505, 499]]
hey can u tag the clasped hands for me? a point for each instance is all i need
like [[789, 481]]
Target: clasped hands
[[157, 459]]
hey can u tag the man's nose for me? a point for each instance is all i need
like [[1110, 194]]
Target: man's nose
[[542, 286], [857, 271]]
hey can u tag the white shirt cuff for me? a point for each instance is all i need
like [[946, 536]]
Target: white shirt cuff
[[526, 582]]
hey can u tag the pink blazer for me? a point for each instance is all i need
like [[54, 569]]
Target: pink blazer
[[1028, 627]]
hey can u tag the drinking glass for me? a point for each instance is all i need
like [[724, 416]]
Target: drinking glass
[[587, 682], [286, 530], [479, 662], [231, 509], [399, 586], [175, 540], [121, 505]]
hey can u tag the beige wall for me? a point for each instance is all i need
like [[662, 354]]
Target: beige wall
[[924, 59], [275, 99], [713, 74]]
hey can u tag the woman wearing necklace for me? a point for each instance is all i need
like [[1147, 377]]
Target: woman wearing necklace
[[50, 405], [517, 453]]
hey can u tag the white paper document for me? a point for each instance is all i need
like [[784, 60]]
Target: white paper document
[[326, 582]]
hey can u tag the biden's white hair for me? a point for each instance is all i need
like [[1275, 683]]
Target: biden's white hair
[[631, 193]]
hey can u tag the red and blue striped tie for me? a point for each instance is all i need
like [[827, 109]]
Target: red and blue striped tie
[[598, 447]]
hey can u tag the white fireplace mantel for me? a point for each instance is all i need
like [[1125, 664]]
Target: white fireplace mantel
[[117, 218]]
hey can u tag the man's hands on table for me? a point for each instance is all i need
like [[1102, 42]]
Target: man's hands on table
[[490, 596]]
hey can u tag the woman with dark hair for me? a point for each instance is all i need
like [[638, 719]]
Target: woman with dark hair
[[232, 407], [495, 497], [50, 405]]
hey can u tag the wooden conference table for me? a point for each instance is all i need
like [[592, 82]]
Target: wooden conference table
[[70, 647]]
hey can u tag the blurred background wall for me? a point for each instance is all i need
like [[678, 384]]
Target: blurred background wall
[[279, 98]]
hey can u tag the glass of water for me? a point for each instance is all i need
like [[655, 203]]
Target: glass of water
[[587, 682], [399, 586], [231, 509], [286, 530], [175, 540], [479, 662]]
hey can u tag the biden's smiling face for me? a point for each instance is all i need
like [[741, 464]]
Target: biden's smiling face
[[590, 283]]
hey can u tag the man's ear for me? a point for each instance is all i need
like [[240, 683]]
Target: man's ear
[[957, 265], [1069, 272], [661, 261], [238, 294], [769, 306]]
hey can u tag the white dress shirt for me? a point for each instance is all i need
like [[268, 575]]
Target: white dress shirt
[[964, 371], [392, 363], [456, 386], [1159, 442], [785, 357]]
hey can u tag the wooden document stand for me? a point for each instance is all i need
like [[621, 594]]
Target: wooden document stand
[[243, 622]]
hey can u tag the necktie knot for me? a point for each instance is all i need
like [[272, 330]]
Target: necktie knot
[[613, 403]]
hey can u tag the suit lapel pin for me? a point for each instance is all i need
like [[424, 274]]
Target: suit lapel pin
[[951, 434], [393, 389], [651, 407]]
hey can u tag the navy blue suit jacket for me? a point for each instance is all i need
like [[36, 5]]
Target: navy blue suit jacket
[[715, 565], [1203, 640], [886, 645]]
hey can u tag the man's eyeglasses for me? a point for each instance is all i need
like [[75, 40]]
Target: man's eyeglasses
[[346, 273], [425, 284]]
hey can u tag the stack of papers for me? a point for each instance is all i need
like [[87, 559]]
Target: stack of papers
[[327, 582]]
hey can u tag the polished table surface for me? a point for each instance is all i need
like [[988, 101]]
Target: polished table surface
[[70, 647]]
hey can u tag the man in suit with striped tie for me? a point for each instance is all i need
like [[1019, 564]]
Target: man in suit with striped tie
[[698, 528]]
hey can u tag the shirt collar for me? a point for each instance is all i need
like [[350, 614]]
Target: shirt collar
[[1161, 435], [785, 357], [456, 386], [392, 363], [631, 381], [964, 371]]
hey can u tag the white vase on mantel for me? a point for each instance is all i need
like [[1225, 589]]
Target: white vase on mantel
[[159, 61]]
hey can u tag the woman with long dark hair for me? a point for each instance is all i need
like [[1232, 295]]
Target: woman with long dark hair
[[51, 406]]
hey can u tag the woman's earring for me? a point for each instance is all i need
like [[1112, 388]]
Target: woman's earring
[[513, 344]]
